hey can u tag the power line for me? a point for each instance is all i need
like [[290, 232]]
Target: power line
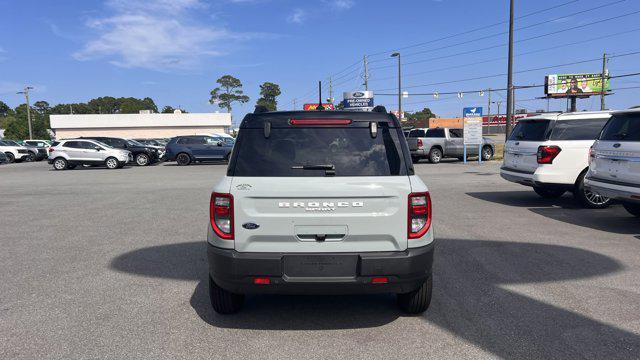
[[473, 30], [515, 72]]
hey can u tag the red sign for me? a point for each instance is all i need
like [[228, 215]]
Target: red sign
[[315, 106]]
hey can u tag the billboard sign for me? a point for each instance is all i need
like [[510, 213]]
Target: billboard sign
[[358, 100], [327, 106], [565, 85], [469, 112]]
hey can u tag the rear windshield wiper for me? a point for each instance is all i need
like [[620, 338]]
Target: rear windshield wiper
[[329, 169]]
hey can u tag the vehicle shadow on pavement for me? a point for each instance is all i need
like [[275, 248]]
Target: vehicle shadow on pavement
[[473, 300], [188, 261], [613, 219]]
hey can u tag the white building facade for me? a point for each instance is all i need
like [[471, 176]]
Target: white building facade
[[143, 125]]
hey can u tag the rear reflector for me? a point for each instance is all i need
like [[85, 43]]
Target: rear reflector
[[315, 122], [262, 281], [379, 280]]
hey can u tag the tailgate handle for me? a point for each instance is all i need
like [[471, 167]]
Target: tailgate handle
[[321, 237]]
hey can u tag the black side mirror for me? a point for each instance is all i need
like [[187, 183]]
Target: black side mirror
[[219, 143]]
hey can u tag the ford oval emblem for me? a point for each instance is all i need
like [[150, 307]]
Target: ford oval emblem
[[250, 226], [358, 94], [616, 145]]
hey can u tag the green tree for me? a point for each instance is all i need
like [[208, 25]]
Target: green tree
[[419, 118], [5, 110], [229, 91], [42, 107], [104, 105], [18, 128], [268, 94], [168, 109]]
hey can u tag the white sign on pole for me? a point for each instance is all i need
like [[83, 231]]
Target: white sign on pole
[[472, 131]]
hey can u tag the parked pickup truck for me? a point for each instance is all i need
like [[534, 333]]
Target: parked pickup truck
[[438, 143]]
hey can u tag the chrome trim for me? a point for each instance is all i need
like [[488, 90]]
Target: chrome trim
[[618, 158]]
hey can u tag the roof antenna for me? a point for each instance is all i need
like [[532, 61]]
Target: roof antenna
[[320, 107]]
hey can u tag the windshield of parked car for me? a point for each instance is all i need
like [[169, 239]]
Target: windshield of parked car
[[302, 151], [624, 127], [135, 143]]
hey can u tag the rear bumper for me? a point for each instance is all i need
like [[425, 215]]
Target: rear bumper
[[404, 270], [536, 178], [617, 190]]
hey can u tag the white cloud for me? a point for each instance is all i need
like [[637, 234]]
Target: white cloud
[[341, 4], [297, 17], [156, 34]]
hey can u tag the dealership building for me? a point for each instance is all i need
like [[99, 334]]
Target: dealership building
[[142, 125]]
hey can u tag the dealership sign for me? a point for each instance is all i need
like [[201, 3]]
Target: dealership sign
[[327, 106], [469, 112], [472, 117], [566, 85], [358, 100]]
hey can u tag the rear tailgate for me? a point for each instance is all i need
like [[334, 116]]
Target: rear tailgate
[[522, 147], [325, 214]]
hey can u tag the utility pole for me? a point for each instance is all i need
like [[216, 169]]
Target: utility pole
[[330, 90], [604, 78], [366, 74], [26, 95], [489, 112], [397, 54], [510, 74]]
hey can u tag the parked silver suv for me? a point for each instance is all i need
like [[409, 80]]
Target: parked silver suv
[[67, 154]]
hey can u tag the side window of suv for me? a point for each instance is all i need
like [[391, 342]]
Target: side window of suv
[[416, 133], [588, 129], [73, 144], [119, 143], [87, 145]]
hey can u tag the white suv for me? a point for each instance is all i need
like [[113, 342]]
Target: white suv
[[320, 202], [67, 154], [15, 153], [614, 170], [550, 152]]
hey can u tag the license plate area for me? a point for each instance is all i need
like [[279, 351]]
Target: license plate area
[[320, 266]]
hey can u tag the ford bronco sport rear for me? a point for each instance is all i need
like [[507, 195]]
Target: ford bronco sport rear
[[320, 203]]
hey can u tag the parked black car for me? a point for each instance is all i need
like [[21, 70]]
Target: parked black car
[[187, 149], [142, 155]]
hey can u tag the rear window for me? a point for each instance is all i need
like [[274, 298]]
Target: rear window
[[435, 133], [351, 150], [530, 130], [622, 128], [587, 129], [416, 133]]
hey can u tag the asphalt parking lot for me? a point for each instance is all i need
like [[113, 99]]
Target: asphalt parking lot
[[111, 264]]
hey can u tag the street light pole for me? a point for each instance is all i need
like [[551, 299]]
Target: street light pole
[[26, 95], [510, 74], [397, 54]]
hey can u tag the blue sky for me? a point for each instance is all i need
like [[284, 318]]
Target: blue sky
[[174, 50]]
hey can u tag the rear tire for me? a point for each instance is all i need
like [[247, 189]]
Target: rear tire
[[60, 164], [223, 301], [549, 193], [589, 199], [487, 153], [633, 209], [31, 157], [417, 301], [435, 155], [10, 157], [183, 159]]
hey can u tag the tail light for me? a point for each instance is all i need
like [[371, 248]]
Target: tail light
[[420, 144], [592, 155], [51, 149], [419, 219], [221, 215], [546, 154]]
